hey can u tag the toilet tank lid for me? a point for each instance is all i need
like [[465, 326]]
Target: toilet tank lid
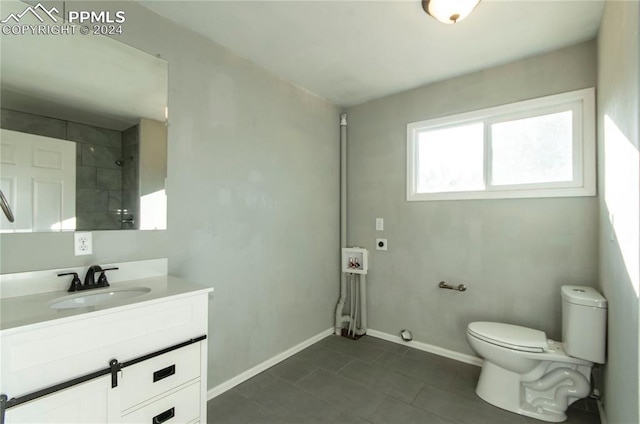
[[585, 296], [510, 336]]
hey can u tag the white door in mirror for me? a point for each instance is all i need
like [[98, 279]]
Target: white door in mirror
[[39, 180]]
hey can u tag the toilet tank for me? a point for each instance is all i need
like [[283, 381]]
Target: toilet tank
[[584, 323]]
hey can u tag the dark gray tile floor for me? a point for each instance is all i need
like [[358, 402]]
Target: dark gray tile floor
[[342, 381]]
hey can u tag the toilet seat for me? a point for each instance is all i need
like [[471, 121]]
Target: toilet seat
[[509, 336]]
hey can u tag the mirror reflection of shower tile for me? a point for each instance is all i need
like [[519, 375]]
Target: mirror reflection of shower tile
[[131, 137], [115, 200], [130, 200], [109, 179], [94, 135], [98, 221], [32, 124], [129, 179], [90, 200], [100, 156], [86, 177]]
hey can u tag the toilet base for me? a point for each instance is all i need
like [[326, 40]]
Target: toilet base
[[504, 389]]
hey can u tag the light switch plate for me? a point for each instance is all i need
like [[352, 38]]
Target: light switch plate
[[379, 224], [83, 244]]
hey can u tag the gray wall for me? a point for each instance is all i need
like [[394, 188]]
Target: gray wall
[[253, 199], [618, 145], [513, 254]]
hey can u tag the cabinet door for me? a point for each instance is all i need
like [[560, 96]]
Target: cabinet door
[[91, 402]]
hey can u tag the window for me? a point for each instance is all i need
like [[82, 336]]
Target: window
[[543, 147]]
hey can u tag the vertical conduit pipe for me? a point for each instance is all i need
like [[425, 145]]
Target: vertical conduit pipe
[[352, 305], [362, 283], [343, 220], [354, 293]]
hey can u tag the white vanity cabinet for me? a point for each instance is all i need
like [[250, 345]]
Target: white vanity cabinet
[[160, 345], [90, 402]]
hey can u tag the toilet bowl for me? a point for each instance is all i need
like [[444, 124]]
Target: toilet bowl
[[527, 373], [512, 371]]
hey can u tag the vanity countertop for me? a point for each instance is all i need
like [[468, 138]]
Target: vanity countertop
[[34, 310]]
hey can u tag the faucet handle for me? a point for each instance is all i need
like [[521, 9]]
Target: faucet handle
[[75, 283], [102, 280]]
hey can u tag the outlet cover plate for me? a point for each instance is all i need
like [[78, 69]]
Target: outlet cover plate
[[381, 244], [83, 243]]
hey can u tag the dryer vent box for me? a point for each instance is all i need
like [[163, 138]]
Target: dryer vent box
[[355, 260]]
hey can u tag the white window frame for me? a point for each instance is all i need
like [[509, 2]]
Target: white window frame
[[581, 102]]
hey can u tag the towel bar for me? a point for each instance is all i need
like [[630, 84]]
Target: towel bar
[[461, 287]]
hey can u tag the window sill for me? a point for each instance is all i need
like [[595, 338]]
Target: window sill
[[504, 194]]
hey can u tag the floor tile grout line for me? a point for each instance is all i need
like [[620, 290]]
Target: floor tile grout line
[[464, 398], [339, 352], [383, 369], [344, 366], [384, 395], [295, 386], [417, 394], [253, 402], [349, 380], [315, 367], [377, 357], [371, 345]]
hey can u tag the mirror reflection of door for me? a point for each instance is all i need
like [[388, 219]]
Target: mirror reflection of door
[[39, 180]]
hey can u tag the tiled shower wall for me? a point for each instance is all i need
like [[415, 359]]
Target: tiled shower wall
[[130, 177], [103, 188]]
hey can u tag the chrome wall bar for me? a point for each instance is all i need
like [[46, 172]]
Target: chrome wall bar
[[460, 287]]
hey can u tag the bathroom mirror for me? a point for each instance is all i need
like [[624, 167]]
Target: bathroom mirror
[[84, 135]]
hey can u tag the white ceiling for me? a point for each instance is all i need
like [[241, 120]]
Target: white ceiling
[[353, 51]]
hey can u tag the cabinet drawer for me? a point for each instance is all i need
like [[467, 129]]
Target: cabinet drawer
[[180, 407], [155, 376]]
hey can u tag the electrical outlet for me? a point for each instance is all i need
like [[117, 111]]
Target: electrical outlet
[[381, 244], [83, 244]]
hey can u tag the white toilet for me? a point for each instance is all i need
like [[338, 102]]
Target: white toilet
[[528, 374]]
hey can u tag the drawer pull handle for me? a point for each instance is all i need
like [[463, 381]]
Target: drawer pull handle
[[165, 416], [164, 373]]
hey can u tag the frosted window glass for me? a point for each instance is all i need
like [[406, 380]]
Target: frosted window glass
[[451, 159], [533, 150]]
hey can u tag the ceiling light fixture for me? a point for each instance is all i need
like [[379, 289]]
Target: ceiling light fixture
[[449, 11]]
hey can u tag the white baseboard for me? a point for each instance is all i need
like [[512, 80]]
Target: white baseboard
[[451, 354], [252, 372]]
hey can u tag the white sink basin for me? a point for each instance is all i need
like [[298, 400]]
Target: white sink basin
[[97, 297]]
